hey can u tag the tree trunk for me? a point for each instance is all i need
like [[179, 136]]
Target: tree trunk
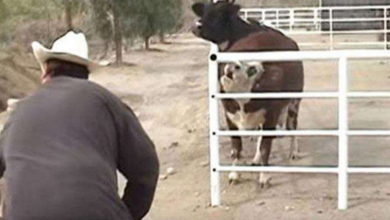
[[106, 49], [161, 37], [68, 14], [147, 43], [117, 35]]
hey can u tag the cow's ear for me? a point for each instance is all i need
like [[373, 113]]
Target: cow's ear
[[234, 9], [198, 9]]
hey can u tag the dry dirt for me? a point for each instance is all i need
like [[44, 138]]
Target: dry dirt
[[168, 91]]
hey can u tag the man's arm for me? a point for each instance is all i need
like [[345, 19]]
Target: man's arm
[[136, 157], [3, 135], [138, 162]]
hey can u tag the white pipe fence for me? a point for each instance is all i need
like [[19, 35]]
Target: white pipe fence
[[342, 132], [310, 21]]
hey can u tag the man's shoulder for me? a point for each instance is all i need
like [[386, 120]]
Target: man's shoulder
[[77, 82], [80, 84], [67, 89]]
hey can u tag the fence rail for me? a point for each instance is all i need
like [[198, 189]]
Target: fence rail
[[329, 21]]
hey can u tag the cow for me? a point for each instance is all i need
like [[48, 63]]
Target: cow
[[220, 23]]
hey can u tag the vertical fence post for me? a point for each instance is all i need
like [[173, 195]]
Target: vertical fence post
[[331, 28], [316, 25], [385, 27], [214, 126], [343, 136], [292, 19]]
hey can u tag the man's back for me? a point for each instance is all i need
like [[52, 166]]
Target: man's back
[[61, 152]]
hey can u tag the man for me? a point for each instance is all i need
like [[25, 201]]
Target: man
[[61, 146]]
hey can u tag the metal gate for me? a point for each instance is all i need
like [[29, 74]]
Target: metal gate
[[343, 132]]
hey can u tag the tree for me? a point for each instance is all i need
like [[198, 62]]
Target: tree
[[3, 12], [115, 20], [23, 14], [72, 8], [3, 17], [171, 13], [102, 22], [23, 21], [68, 13], [142, 20], [107, 18], [152, 17], [117, 33]]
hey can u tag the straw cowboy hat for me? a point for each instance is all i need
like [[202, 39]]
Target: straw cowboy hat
[[71, 47]]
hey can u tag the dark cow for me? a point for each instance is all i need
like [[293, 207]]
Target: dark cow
[[221, 24]]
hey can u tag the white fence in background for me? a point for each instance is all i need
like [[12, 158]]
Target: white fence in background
[[311, 21], [342, 132]]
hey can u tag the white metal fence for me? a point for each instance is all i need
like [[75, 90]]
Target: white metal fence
[[325, 20], [342, 132]]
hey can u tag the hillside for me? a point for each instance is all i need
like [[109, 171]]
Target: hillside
[[19, 76]]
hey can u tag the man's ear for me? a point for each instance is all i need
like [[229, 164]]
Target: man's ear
[[198, 9]]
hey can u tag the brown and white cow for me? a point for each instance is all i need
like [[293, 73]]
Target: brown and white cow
[[221, 24]]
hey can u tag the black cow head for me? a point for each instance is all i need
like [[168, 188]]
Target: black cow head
[[215, 20]]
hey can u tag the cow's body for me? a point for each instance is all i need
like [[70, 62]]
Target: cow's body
[[221, 24]]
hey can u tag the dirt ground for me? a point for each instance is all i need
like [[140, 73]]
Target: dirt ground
[[168, 90]]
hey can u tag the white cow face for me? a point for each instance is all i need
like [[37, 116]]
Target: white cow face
[[240, 77]]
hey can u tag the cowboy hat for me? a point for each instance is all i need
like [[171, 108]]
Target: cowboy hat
[[71, 47]]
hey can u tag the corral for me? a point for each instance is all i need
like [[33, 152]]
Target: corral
[[295, 196]]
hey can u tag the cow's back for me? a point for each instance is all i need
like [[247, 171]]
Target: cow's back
[[266, 41]]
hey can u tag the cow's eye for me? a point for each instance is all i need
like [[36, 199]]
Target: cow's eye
[[251, 71]]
